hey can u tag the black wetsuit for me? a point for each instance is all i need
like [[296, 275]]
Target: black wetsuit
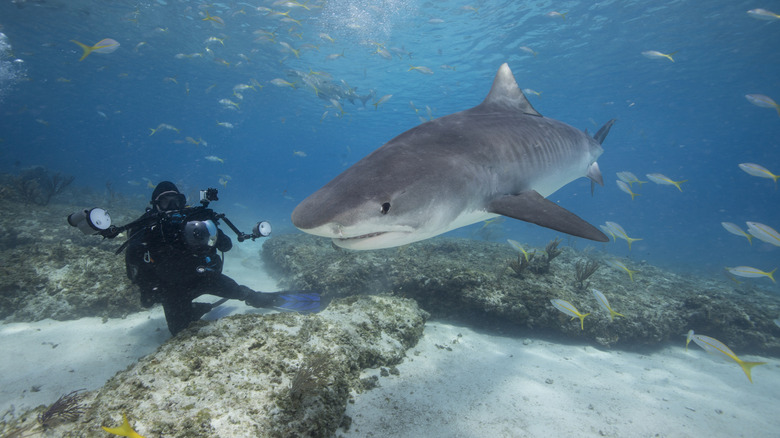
[[171, 273]]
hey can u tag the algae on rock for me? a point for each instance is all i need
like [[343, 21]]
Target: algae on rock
[[232, 377], [478, 282]]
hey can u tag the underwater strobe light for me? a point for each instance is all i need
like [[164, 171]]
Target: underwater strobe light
[[261, 229], [90, 221]]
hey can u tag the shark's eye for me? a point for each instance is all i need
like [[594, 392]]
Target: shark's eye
[[385, 207]]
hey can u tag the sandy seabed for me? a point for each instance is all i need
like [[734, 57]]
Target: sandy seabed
[[456, 382]]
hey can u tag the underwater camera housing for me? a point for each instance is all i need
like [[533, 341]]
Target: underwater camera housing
[[90, 221]]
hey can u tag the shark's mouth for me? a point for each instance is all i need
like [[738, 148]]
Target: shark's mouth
[[363, 236], [376, 239]]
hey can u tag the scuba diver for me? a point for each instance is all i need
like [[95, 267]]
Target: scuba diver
[[172, 256]]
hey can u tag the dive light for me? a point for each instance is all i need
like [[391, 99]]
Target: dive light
[[261, 229], [90, 221]]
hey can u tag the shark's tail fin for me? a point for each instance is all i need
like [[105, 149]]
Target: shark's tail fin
[[602, 133]]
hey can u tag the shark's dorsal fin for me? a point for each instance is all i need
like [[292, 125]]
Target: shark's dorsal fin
[[505, 94]]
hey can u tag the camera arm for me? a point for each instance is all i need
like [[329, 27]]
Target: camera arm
[[261, 229]]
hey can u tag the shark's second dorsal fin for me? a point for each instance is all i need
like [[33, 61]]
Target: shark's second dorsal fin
[[505, 94]]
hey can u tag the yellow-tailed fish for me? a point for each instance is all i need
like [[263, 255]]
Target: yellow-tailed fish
[[604, 303], [279, 82], [492, 221], [227, 103], [765, 233], [714, 346], [688, 339], [104, 46], [381, 51], [655, 54], [382, 100], [215, 159], [338, 106], [554, 14], [528, 50], [607, 230], [516, 245], [620, 265], [215, 40], [662, 179], [290, 48], [216, 21], [630, 178], [763, 14], [763, 101], [422, 69], [750, 272], [123, 430], [759, 171], [625, 188], [163, 126], [569, 309], [243, 87], [618, 231], [736, 230]]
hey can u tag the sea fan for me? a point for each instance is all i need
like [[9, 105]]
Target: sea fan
[[66, 408]]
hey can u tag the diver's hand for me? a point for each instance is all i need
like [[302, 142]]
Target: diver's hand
[[110, 232]]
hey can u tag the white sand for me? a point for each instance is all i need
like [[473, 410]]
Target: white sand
[[57, 357], [484, 385], [492, 386]]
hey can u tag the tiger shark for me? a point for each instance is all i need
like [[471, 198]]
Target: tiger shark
[[499, 158]]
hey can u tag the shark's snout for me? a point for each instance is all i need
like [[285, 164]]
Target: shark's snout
[[304, 217]]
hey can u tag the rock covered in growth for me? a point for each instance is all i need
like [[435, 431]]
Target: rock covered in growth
[[475, 280], [277, 375], [51, 270]]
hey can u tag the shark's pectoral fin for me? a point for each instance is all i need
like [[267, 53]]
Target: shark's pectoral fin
[[532, 207]]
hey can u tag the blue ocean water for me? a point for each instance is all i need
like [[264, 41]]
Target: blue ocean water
[[688, 119]]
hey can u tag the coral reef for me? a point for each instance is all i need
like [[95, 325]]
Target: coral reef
[[242, 375], [36, 185], [583, 269], [51, 270], [476, 282], [66, 409]]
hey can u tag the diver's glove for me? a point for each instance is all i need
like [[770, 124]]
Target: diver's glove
[[295, 301]]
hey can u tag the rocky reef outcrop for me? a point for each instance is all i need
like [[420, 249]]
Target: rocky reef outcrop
[[276, 375], [489, 283], [51, 270]]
